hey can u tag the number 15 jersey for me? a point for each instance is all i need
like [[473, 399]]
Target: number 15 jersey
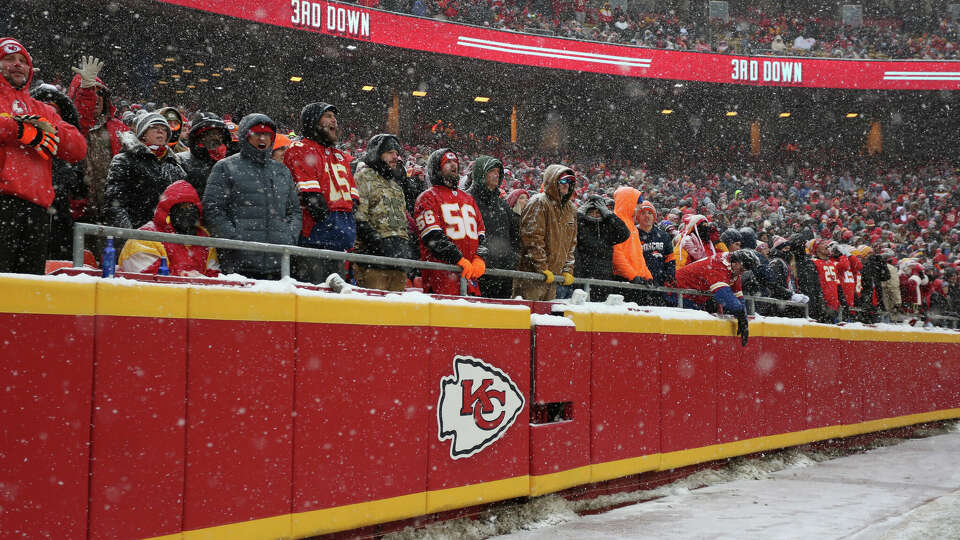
[[452, 212]]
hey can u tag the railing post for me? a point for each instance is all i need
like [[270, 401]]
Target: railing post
[[285, 265], [463, 286], [77, 246]]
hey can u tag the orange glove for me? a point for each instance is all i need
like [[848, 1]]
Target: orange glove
[[479, 267], [467, 266], [43, 141]]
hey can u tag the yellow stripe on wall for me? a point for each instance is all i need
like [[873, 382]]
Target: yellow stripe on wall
[[354, 516], [466, 315], [634, 323], [553, 482], [600, 472], [47, 296], [257, 529], [472, 495], [130, 300], [336, 309], [241, 305]]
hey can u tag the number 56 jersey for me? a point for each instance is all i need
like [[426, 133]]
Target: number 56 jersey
[[452, 212]]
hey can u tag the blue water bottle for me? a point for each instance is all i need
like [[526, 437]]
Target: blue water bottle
[[163, 270], [109, 261]]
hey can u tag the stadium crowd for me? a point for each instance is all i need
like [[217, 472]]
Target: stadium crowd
[[862, 243], [786, 32]]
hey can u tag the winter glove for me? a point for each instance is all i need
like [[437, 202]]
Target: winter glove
[[743, 329], [38, 122], [44, 142], [567, 278], [641, 281], [315, 204], [802, 298], [89, 69], [467, 266], [549, 274], [479, 267]]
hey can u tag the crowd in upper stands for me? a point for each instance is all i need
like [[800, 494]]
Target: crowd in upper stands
[[851, 244], [786, 32]]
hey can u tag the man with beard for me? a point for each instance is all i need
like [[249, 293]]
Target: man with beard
[[500, 223], [31, 135], [381, 215], [450, 227], [328, 193]]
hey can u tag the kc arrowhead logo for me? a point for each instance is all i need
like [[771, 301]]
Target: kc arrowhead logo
[[477, 406]]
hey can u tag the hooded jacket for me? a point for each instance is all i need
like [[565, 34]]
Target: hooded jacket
[[310, 116], [252, 197], [382, 227], [175, 143], [196, 161], [91, 119], [548, 227], [135, 181], [596, 239], [143, 256], [692, 247], [628, 260], [24, 173], [500, 221]]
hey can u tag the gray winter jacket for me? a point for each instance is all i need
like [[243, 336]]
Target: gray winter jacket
[[252, 197]]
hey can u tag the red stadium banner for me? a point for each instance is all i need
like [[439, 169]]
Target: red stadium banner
[[391, 29]]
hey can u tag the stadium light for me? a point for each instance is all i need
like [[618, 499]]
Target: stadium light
[[419, 93], [666, 111], [731, 113], [181, 91], [366, 88], [185, 70], [191, 86], [228, 68], [784, 115], [162, 82], [174, 76], [852, 115], [203, 80], [296, 79], [481, 99], [198, 64], [158, 66], [169, 59], [214, 74]]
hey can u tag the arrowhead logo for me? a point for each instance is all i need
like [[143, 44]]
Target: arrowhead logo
[[477, 406]]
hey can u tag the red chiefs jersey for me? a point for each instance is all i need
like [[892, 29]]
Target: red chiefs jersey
[[829, 281], [708, 274], [321, 169], [851, 279], [453, 212]]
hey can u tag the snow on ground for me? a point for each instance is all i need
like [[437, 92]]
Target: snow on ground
[[898, 490]]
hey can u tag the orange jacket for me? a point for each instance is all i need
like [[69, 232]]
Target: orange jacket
[[628, 261]]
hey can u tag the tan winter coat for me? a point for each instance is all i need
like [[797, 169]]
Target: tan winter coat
[[891, 289], [548, 228]]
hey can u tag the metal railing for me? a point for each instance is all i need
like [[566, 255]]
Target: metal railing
[[81, 230]]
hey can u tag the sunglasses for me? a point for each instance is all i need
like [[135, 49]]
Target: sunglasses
[[568, 179]]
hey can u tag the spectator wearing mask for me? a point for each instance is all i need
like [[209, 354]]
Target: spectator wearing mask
[[598, 230], [548, 235], [784, 279], [31, 134], [179, 212], [68, 183], [207, 144], [138, 175], [500, 223], [628, 260], [101, 128], [252, 197], [382, 227], [328, 193], [657, 251], [450, 227], [891, 287]]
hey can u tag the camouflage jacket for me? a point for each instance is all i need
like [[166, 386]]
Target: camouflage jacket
[[382, 204]]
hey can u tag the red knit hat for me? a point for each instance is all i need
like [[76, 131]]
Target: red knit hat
[[9, 45]]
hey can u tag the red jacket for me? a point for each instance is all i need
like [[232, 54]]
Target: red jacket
[[85, 99], [24, 173]]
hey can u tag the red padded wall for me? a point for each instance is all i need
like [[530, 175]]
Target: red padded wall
[[139, 436], [47, 374], [239, 421], [688, 394]]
